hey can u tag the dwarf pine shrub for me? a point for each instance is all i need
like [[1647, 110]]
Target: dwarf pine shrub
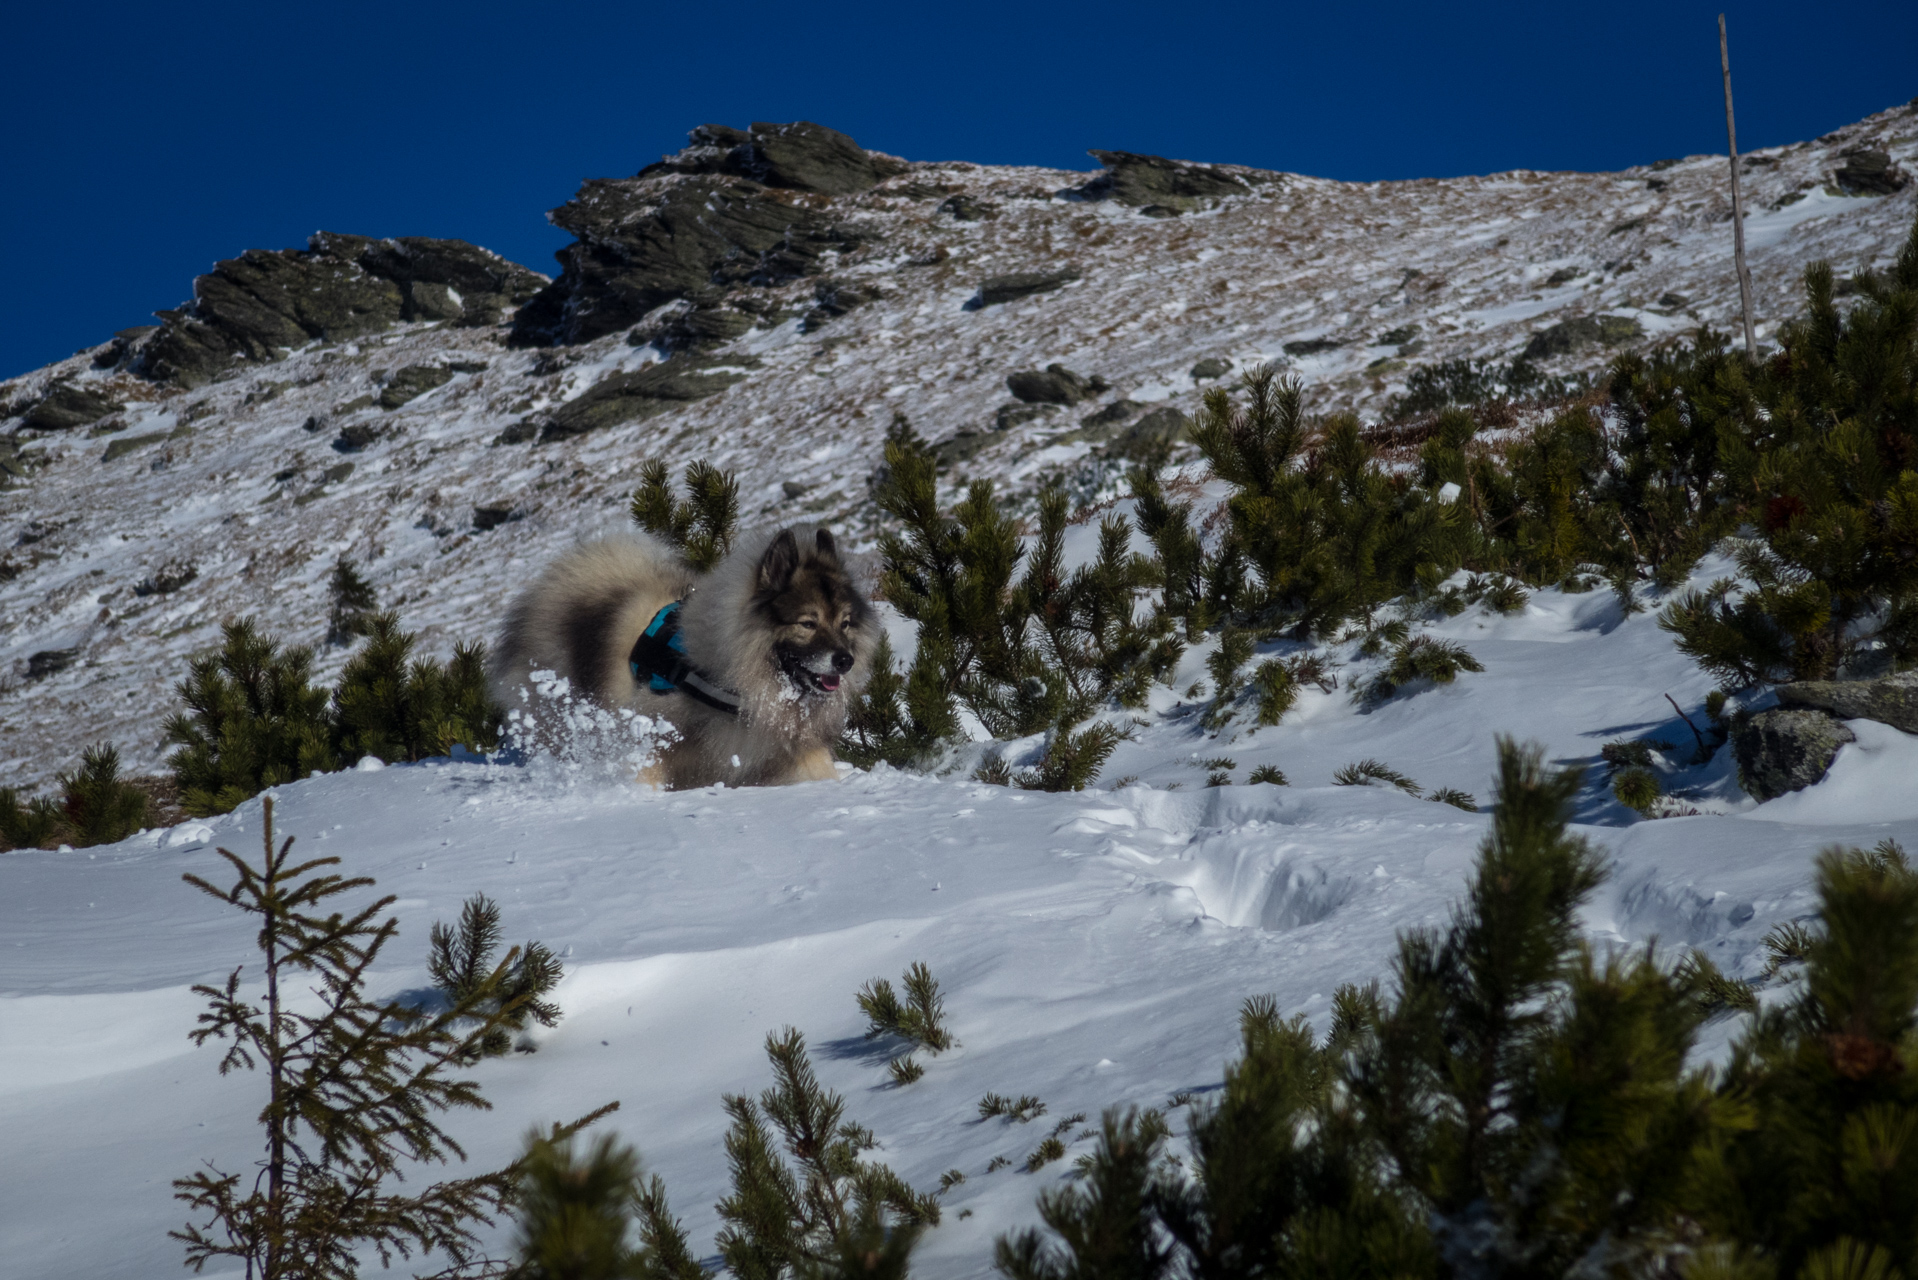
[[460, 958], [396, 707], [919, 1018], [95, 806], [253, 720], [576, 1211], [702, 525], [804, 1192], [1421, 658]]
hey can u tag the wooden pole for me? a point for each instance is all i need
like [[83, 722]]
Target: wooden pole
[[1738, 201]]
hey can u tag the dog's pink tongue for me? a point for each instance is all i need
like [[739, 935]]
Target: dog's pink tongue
[[829, 683]]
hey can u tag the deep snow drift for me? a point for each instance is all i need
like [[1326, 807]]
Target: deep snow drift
[[1093, 947]]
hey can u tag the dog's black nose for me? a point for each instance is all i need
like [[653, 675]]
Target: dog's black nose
[[841, 660]]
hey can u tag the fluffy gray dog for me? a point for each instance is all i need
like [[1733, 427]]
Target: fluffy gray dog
[[754, 663]]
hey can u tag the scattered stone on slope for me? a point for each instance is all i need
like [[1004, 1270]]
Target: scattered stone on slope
[[411, 382], [1210, 368], [50, 662], [1785, 750], [121, 446], [632, 397], [1868, 171], [1580, 333], [490, 516], [70, 404], [1113, 414], [265, 302], [1892, 700], [355, 436], [1008, 416], [965, 208], [1164, 425], [1056, 384], [1311, 346], [124, 348], [834, 298], [1160, 187], [994, 290]]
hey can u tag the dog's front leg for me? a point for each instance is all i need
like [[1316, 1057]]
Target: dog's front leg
[[814, 764]]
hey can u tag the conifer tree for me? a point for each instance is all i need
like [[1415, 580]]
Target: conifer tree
[[701, 526], [352, 603], [31, 824], [791, 1214], [96, 806], [461, 962], [252, 721], [1827, 1164], [354, 1089], [395, 707], [1104, 1224], [575, 1212]]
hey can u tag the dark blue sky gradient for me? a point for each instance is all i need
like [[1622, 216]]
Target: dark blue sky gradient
[[140, 142]]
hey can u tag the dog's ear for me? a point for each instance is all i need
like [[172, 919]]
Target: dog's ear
[[825, 547], [777, 565]]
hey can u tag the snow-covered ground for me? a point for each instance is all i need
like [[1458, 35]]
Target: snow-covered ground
[[1093, 948]]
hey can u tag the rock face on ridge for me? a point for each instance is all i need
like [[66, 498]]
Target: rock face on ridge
[[737, 208], [1156, 185], [264, 302], [1892, 700], [1786, 750]]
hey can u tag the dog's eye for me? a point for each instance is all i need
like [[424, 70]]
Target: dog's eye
[[811, 624]]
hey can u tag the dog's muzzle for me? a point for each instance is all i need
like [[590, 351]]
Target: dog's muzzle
[[815, 672]]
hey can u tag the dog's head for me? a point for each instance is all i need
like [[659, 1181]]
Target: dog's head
[[821, 624]]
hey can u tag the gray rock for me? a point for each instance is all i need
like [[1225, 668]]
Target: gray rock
[[123, 445], [356, 436], [1055, 385], [1399, 336], [1867, 171], [1564, 275], [800, 156], [834, 298], [641, 394], [1158, 186], [124, 348], [1113, 414], [428, 301], [1009, 416], [1023, 284], [1786, 750], [1311, 346], [50, 661], [68, 404], [1892, 700], [1163, 426], [488, 516], [965, 208], [1211, 367], [1673, 301], [1581, 333], [412, 382]]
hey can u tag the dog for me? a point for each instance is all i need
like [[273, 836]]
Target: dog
[[754, 664]]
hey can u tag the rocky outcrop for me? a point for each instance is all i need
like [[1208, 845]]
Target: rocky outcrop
[[1786, 750], [1581, 333], [1212, 367], [729, 212], [1159, 187], [1055, 384], [70, 404], [264, 302], [1870, 172], [1892, 700], [412, 382], [632, 397], [994, 290]]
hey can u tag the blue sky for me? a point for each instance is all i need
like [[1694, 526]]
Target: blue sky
[[141, 142]]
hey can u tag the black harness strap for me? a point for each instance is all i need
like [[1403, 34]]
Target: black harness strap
[[659, 661]]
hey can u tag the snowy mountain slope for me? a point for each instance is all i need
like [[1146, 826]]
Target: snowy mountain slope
[[1093, 947], [125, 544]]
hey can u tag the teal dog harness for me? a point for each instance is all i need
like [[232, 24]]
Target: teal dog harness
[[659, 662]]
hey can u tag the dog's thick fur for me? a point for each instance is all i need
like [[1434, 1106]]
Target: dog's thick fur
[[779, 623]]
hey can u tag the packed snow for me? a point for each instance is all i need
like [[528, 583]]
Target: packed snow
[[1093, 947]]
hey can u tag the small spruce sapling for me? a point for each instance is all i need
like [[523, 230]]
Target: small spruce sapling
[[461, 962], [1024, 1108], [919, 1018], [1363, 773], [29, 824], [1103, 1222], [95, 807], [1072, 760], [352, 603], [354, 1088], [1421, 658]]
